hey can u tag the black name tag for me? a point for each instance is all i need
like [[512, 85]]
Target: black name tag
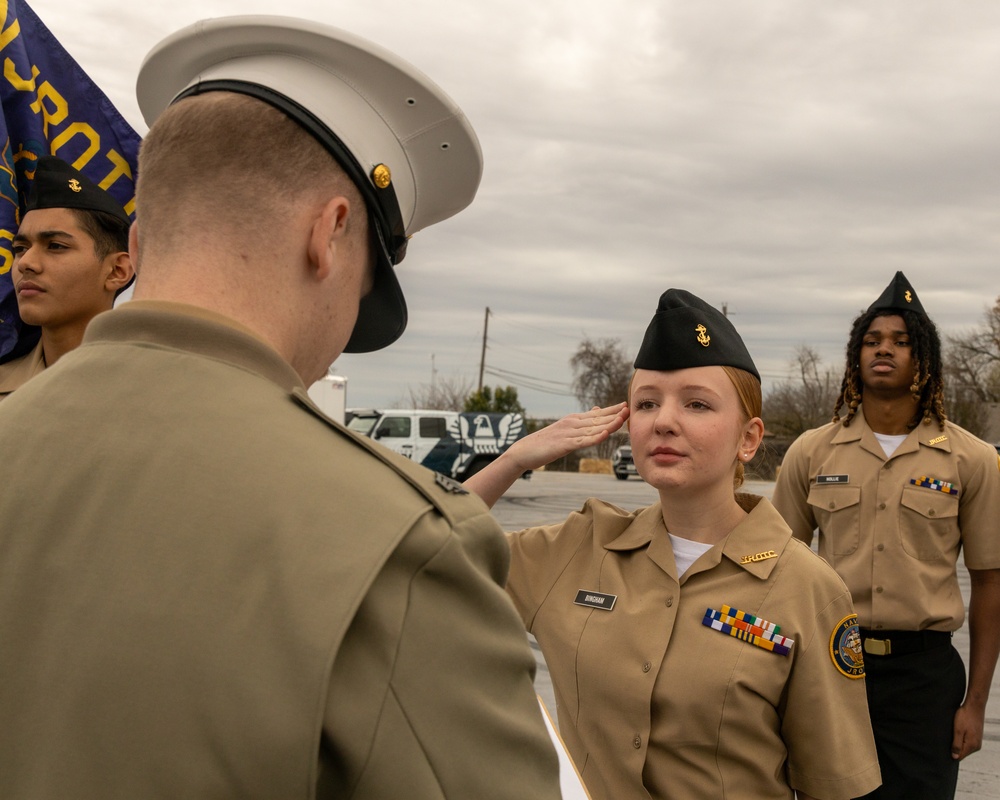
[[595, 599], [833, 478]]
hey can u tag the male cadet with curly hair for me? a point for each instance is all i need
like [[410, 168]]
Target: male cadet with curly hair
[[207, 588], [896, 491], [70, 262]]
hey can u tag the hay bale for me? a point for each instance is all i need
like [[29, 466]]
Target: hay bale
[[595, 466]]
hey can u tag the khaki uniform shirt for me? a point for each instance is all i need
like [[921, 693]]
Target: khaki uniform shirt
[[210, 590], [14, 373], [893, 527], [652, 702]]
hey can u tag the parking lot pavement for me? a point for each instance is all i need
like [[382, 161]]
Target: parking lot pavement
[[550, 496]]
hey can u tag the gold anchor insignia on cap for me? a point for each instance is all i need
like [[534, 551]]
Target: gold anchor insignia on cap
[[703, 338], [908, 296], [381, 176], [74, 184]]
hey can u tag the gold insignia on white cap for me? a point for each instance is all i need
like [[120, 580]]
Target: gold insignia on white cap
[[381, 176]]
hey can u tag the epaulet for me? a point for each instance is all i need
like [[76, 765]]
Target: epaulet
[[452, 500], [988, 449]]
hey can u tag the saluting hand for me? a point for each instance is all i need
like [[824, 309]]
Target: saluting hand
[[570, 433], [543, 447]]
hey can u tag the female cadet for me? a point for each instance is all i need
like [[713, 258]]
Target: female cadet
[[696, 649]]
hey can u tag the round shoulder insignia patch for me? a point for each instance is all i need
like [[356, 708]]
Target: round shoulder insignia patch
[[845, 648]]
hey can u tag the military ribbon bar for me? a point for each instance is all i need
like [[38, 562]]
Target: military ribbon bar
[[935, 484], [748, 628]]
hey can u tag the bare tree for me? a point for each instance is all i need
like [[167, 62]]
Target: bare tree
[[601, 374], [446, 394], [972, 373], [804, 402]]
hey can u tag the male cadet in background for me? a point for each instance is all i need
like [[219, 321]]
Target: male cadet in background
[[896, 491], [70, 262], [207, 588]]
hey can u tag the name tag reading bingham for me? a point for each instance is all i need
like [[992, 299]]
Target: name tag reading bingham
[[595, 600], [833, 478]]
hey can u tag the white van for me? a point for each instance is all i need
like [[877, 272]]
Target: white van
[[457, 444]]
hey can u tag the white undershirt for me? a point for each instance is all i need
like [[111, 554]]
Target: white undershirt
[[686, 552], [890, 443]]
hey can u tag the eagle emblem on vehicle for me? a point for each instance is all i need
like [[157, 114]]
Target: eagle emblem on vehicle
[[479, 436]]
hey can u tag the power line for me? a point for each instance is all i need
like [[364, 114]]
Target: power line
[[560, 384], [546, 331], [523, 383]]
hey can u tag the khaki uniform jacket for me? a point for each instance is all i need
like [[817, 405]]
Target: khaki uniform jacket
[[653, 703], [14, 373], [209, 590], [893, 527]]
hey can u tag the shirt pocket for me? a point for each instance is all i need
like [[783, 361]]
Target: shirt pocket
[[837, 510], [928, 523]]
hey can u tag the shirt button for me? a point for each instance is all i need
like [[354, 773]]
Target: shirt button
[[930, 513], [878, 589], [881, 506], [833, 505], [670, 601], [637, 742], [647, 667], [880, 548]]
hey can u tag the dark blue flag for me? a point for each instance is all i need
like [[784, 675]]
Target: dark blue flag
[[50, 107]]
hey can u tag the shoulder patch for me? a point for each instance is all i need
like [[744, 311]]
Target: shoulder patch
[[845, 648]]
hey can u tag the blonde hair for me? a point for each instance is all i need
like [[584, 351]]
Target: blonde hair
[[751, 403], [228, 163]]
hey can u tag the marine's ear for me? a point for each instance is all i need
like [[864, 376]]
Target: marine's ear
[[327, 235], [133, 242]]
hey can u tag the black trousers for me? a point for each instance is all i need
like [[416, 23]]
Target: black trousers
[[912, 700]]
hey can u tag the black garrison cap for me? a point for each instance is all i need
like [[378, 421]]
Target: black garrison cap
[[687, 332], [58, 185], [898, 295]]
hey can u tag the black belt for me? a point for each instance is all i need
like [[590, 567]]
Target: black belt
[[901, 643]]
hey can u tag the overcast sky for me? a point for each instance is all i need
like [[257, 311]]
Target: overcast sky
[[781, 158]]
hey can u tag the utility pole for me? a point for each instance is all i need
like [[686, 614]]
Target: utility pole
[[725, 310], [482, 358]]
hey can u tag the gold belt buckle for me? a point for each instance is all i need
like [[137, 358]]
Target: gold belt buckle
[[878, 647]]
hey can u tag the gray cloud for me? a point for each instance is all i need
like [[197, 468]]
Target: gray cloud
[[780, 157]]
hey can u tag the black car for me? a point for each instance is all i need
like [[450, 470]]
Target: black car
[[622, 464]]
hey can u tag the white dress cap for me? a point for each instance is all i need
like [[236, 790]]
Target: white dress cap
[[407, 145]]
